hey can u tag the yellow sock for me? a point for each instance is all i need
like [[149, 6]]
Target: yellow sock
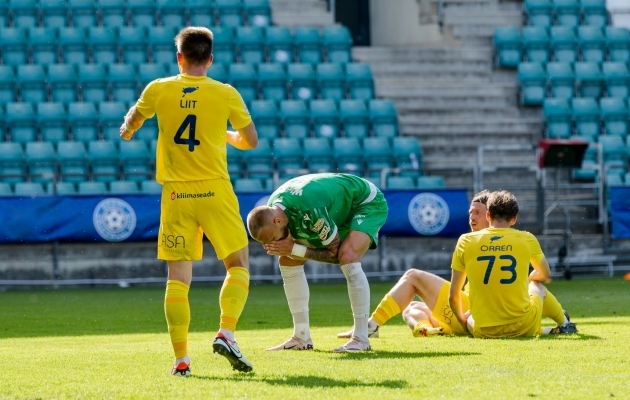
[[233, 296], [386, 309], [177, 312], [553, 309]]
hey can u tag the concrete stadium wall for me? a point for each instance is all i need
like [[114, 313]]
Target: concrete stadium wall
[[399, 23]]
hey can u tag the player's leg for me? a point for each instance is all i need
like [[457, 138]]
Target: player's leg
[[418, 317], [177, 311], [298, 294], [551, 308]]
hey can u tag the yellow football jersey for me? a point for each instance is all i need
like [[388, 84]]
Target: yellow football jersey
[[192, 119], [496, 262]]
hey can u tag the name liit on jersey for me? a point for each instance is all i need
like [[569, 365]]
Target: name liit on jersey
[[175, 195]]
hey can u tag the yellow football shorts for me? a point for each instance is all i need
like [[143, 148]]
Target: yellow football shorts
[[444, 315], [528, 326], [190, 209]]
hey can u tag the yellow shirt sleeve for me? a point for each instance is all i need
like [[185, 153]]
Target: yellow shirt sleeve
[[535, 249], [146, 103], [239, 114], [458, 255]]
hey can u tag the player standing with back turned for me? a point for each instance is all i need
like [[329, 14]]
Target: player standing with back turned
[[197, 196]]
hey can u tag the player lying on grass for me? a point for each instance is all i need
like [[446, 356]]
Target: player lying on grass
[[338, 217], [433, 315]]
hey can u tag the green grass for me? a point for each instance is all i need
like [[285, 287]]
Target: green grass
[[112, 343]]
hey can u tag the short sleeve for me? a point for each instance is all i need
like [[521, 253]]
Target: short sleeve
[[457, 263], [535, 249], [239, 114], [146, 103]]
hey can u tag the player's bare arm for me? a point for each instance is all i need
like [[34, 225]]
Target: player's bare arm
[[541, 270], [133, 121], [454, 299], [245, 138]]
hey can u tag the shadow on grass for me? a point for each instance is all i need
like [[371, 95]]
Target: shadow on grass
[[394, 354], [577, 336], [307, 381]]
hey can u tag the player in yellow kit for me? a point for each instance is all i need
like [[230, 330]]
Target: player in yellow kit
[[197, 196]]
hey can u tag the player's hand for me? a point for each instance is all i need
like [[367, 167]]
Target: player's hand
[[467, 315], [282, 247], [124, 133]]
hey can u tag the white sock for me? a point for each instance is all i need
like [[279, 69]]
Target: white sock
[[185, 359], [228, 334], [359, 293], [298, 294]]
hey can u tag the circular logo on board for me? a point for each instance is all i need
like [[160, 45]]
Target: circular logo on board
[[114, 219], [428, 213]]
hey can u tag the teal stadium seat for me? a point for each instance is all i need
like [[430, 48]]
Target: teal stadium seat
[[5, 190], [592, 44], [258, 12], [230, 12], [295, 118], [73, 162], [123, 187], [123, 82], [384, 118], [54, 14], [21, 122], [134, 159], [400, 183], [331, 80], [617, 78], [557, 116], [43, 43], [73, 44], [507, 45], [613, 151], [4, 13], [92, 188], [536, 44], [325, 118], [32, 83], [618, 44], [348, 155], [13, 46], [62, 79], [133, 44], [24, 13], [243, 78], [589, 80], [354, 118], [161, 43], [563, 44], [251, 44], [172, 13], [52, 119], [235, 162], [201, 13], [12, 163], [594, 13], [103, 158], [429, 182], [29, 189], [538, 12], [273, 81], [63, 189], [113, 12], [614, 116], [280, 44], [83, 13], [303, 81], [338, 44], [218, 72], [93, 80], [266, 118], [3, 127], [586, 117], [41, 161], [150, 72], [259, 161], [104, 44], [308, 44], [248, 185], [8, 86], [149, 131], [567, 12], [378, 155], [533, 83], [150, 187], [224, 45], [318, 155], [83, 121], [588, 170], [110, 116], [407, 155], [142, 12], [289, 156], [360, 81], [561, 80]]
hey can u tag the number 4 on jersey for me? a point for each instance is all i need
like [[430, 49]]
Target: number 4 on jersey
[[190, 122]]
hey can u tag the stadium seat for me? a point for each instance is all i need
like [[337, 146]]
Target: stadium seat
[[592, 44], [24, 13], [538, 12], [279, 41], [53, 122], [13, 46], [8, 88], [230, 12], [63, 189], [618, 44], [92, 188], [588, 171], [567, 12], [150, 72], [83, 121], [400, 183], [103, 158], [62, 79], [83, 13], [536, 44], [235, 162], [360, 81], [113, 12], [507, 44], [172, 13], [218, 72], [110, 116], [561, 80], [150, 187], [586, 118], [43, 43], [318, 155], [161, 43], [134, 159], [295, 118], [266, 118], [5, 190], [123, 82], [41, 161], [533, 83], [354, 118], [589, 80], [332, 81], [303, 81], [251, 44], [288, 154], [149, 130], [613, 151], [308, 44], [383, 118], [12, 163], [21, 121], [348, 155], [73, 44], [224, 45], [201, 13], [73, 162], [29, 189], [338, 43], [54, 14], [614, 116], [32, 82], [258, 12], [617, 78], [142, 12], [407, 155], [123, 187], [248, 185], [273, 81], [104, 44], [244, 79], [563, 44], [325, 118], [378, 155], [259, 161], [594, 13], [93, 82], [133, 44], [557, 116], [429, 182]]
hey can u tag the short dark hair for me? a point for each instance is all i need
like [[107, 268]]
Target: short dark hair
[[195, 44], [258, 219], [481, 197], [502, 205]]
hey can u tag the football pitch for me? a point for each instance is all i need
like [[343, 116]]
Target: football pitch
[[113, 343]]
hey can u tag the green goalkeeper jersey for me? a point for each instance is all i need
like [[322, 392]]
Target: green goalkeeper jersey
[[320, 206]]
